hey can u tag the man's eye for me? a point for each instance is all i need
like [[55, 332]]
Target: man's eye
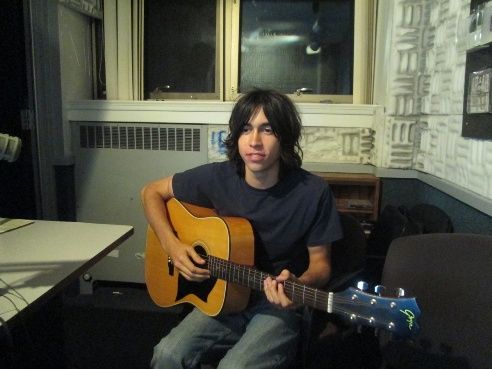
[[268, 130], [246, 129]]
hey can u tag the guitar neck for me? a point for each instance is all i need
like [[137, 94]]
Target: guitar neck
[[253, 278]]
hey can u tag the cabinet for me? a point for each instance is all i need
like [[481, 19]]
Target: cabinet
[[355, 193]]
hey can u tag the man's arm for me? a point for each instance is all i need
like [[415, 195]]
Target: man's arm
[[318, 272], [316, 275], [154, 196]]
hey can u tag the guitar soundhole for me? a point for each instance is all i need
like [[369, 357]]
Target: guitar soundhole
[[200, 250], [200, 289]]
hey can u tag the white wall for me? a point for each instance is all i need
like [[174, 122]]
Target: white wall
[[75, 64], [59, 50], [420, 79]]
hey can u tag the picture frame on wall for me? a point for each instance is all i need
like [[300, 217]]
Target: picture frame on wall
[[479, 92], [479, 25]]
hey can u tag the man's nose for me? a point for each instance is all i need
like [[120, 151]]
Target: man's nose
[[255, 138]]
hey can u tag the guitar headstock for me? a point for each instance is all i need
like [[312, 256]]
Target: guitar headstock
[[398, 315]]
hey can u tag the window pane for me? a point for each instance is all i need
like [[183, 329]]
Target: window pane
[[297, 44], [180, 46]]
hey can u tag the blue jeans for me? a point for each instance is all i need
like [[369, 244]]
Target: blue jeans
[[262, 336]]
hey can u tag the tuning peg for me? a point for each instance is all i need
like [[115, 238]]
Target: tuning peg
[[379, 289], [400, 292], [362, 285]]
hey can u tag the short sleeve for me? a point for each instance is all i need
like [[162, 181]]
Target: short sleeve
[[195, 185], [326, 226]]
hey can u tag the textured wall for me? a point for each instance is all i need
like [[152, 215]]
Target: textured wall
[[319, 144], [424, 101]]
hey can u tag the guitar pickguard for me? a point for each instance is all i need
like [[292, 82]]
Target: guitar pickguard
[[199, 289]]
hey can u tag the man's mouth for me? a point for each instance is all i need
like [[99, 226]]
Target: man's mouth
[[255, 156]]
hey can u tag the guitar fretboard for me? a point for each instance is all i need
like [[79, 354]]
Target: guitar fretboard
[[253, 278]]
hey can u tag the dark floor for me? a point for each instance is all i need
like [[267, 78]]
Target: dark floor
[[117, 327]]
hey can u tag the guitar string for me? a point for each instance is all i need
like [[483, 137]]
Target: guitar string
[[309, 294], [258, 280], [259, 276]]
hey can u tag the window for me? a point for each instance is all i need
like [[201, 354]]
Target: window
[[313, 50], [297, 46], [181, 52]]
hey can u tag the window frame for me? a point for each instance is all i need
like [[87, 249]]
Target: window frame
[[364, 31], [219, 70], [227, 54]]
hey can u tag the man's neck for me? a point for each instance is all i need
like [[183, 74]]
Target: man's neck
[[261, 180]]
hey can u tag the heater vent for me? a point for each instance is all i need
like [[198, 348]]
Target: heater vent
[[139, 137]]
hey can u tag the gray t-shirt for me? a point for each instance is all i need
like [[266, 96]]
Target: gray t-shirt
[[298, 212]]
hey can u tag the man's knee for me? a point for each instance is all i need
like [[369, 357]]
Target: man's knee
[[249, 362], [165, 357]]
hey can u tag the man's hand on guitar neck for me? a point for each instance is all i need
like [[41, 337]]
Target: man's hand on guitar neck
[[274, 290], [188, 262]]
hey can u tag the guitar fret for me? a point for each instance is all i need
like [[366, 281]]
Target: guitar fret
[[330, 303], [210, 265]]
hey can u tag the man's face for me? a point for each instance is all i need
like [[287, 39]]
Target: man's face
[[260, 150]]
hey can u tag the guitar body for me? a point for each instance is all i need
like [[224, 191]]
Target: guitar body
[[209, 234]]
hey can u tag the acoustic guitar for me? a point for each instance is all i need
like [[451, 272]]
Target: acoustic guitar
[[227, 244]]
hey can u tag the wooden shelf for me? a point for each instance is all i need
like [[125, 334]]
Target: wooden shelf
[[356, 194]]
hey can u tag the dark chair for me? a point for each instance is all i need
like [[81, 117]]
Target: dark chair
[[401, 221], [431, 218], [449, 274], [328, 331], [348, 254]]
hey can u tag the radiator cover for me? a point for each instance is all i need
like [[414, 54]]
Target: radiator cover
[[113, 161]]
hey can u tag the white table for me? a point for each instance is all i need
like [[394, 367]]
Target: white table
[[38, 260]]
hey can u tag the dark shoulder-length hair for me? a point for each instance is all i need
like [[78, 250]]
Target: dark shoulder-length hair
[[283, 118]]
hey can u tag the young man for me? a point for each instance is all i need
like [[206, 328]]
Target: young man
[[294, 220]]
